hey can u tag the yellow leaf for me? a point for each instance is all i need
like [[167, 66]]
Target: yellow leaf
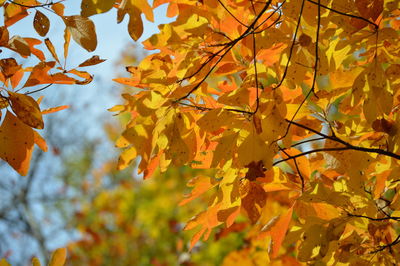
[[93, 7], [313, 237], [4, 262], [27, 109], [58, 257], [16, 143], [35, 262], [83, 31], [254, 149]]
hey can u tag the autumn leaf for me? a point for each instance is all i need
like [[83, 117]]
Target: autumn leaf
[[58, 257], [26, 109], [94, 60], [41, 23], [93, 7], [82, 30], [16, 143]]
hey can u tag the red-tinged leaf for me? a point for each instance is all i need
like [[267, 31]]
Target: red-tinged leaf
[[83, 31], [40, 141], [16, 143], [254, 201], [94, 60], [54, 109], [278, 231], [41, 23], [4, 36], [9, 67], [26, 109]]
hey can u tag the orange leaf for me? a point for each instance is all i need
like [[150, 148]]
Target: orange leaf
[[54, 109], [278, 231], [303, 163], [200, 184], [51, 49], [16, 143], [94, 60], [58, 257], [39, 141]]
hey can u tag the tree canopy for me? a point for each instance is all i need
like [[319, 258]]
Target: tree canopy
[[293, 104]]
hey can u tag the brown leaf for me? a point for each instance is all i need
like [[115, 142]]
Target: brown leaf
[[27, 109], [83, 31], [256, 169], [41, 23], [135, 24], [305, 40], [3, 102], [9, 67], [254, 201], [19, 45], [4, 36], [383, 125], [94, 60]]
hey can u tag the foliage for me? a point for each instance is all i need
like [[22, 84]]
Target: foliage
[[136, 223], [293, 103], [58, 258]]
